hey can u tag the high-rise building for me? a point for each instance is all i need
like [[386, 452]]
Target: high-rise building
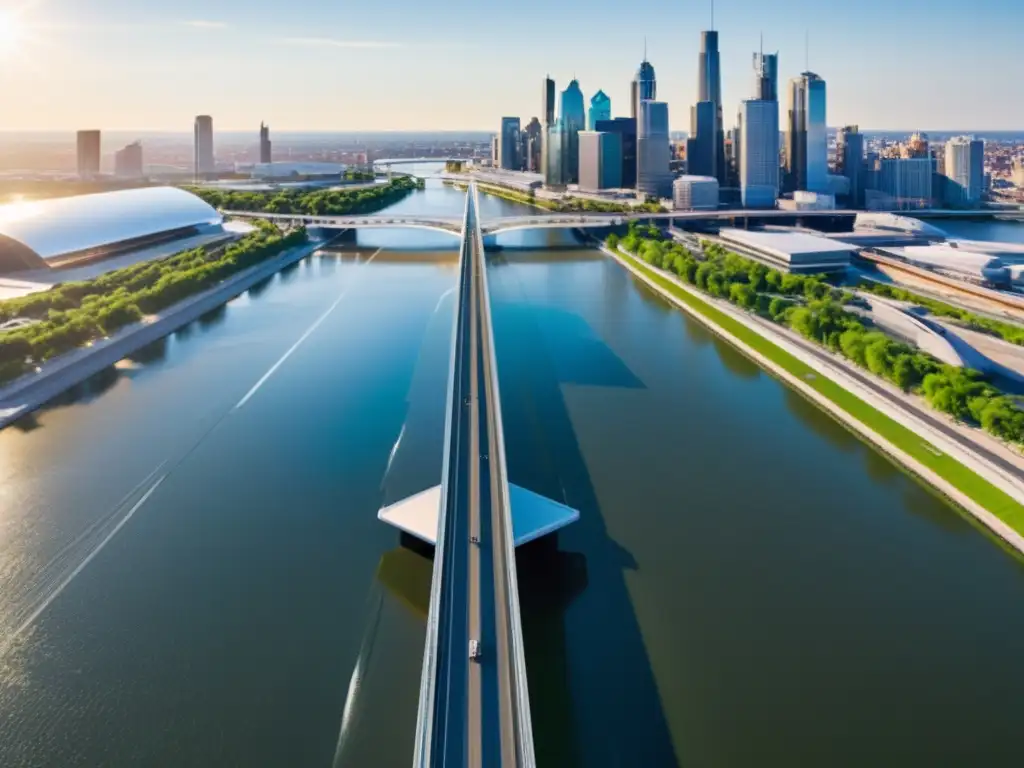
[[547, 116], [850, 163], [644, 86], [266, 147], [907, 181], [534, 136], [766, 76], [600, 109], [965, 171], [508, 144], [128, 162], [600, 160], [573, 115], [626, 128], [709, 89], [88, 154], [807, 135], [700, 146], [555, 170], [204, 163], [653, 152], [759, 153]]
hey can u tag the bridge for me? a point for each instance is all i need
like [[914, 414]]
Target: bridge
[[474, 706]]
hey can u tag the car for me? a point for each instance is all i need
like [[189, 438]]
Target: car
[[474, 650]]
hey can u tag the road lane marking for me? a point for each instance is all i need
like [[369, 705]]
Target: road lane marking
[[309, 332], [81, 566]]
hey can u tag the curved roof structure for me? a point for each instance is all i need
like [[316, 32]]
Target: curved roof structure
[[35, 232]]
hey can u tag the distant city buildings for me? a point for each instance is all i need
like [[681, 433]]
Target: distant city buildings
[[600, 109], [88, 154], [965, 172], [653, 153], [266, 147], [508, 145], [128, 162], [600, 160], [807, 135], [204, 162]]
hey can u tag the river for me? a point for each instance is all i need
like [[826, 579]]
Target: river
[[193, 573]]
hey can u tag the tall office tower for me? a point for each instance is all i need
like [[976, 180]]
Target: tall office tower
[[555, 170], [907, 180], [534, 136], [850, 163], [204, 163], [766, 76], [128, 162], [508, 144], [88, 154], [574, 119], [547, 116], [644, 87], [759, 153], [653, 153], [495, 151], [266, 146], [600, 109], [807, 135], [709, 89], [965, 171], [626, 128], [600, 160], [700, 146]]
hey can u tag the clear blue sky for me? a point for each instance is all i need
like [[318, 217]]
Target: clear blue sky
[[462, 64]]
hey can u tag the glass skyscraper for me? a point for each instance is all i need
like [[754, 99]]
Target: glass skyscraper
[[644, 87], [574, 119], [807, 135], [555, 174], [508, 144], [548, 118], [965, 171], [600, 109], [766, 76], [850, 163], [759, 153], [700, 146], [653, 153], [626, 128], [711, 146], [600, 160]]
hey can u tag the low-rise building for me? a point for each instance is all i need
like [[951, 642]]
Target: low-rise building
[[949, 260], [790, 251], [695, 193]]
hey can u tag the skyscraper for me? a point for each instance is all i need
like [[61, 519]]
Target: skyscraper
[[709, 89], [600, 109], [766, 76], [266, 146], [204, 163], [850, 163], [626, 128], [88, 154], [759, 153], [548, 118], [700, 146], [600, 160], [965, 171], [574, 119], [807, 135], [644, 87], [653, 154], [128, 162], [907, 180], [534, 137], [555, 170], [508, 144]]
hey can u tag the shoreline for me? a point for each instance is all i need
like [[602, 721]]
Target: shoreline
[[32, 391], [978, 512]]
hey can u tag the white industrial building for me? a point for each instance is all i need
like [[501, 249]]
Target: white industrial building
[[791, 251], [958, 263], [695, 193]]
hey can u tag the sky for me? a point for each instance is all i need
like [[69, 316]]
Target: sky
[[461, 64]]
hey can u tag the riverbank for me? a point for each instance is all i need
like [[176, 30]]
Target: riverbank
[[30, 392], [992, 506]]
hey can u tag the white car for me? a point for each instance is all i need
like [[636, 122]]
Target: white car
[[474, 650]]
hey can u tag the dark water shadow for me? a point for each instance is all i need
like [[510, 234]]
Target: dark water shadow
[[406, 573], [260, 287], [214, 317], [732, 360], [154, 352], [609, 712], [27, 423], [819, 422]]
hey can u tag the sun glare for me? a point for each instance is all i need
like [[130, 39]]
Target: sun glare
[[11, 32]]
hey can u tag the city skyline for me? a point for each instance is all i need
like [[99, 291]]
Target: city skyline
[[95, 57]]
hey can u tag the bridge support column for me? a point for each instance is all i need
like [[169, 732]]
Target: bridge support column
[[490, 241]]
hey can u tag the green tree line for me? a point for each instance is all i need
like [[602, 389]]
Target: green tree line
[[816, 310], [311, 202], [73, 314]]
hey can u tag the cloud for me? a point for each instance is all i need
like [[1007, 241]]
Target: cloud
[[206, 24], [330, 42]]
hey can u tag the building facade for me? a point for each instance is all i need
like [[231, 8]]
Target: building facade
[[533, 138], [709, 89], [695, 193], [600, 160], [88, 145], [644, 87], [266, 148], [204, 162], [965, 172], [600, 109], [508, 145], [759, 153], [907, 181], [555, 170], [574, 119], [653, 152], [700, 146], [128, 162], [626, 128], [547, 117], [766, 76], [807, 135], [851, 164]]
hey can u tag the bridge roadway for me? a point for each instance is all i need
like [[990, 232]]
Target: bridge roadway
[[474, 712], [539, 220]]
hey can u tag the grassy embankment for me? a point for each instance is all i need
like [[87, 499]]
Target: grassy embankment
[[956, 474]]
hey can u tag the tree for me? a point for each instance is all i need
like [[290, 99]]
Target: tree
[[612, 241]]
